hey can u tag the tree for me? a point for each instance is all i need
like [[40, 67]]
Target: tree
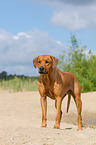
[[3, 75], [81, 62]]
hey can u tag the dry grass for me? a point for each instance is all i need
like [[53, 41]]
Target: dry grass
[[19, 84]]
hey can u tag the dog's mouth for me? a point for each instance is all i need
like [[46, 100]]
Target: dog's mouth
[[43, 72]]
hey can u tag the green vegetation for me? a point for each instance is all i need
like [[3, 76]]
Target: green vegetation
[[15, 83], [80, 62]]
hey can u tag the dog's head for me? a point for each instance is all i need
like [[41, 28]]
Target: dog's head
[[45, 63]]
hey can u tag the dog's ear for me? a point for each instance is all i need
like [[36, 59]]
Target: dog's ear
[[35, 62], [55, 62]]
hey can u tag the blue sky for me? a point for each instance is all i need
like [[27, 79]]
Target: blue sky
[[29, 28]]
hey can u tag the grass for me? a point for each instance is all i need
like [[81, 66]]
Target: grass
[[19, 84]]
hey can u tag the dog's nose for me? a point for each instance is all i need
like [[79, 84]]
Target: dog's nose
[[41, 68]]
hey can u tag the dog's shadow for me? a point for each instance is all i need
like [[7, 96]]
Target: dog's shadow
[[88, 119]]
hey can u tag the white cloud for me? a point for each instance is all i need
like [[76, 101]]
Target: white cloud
[[71, 21], [17, 52], [21, 35], [58, 42], [72, 14], [75, 17]]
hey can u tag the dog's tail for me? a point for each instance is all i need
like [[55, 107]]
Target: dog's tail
[[68, 103]]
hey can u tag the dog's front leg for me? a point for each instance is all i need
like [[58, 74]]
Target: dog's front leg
[[43, 101], [58, 101]]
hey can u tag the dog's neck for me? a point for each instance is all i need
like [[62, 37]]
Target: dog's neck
[[48, 78]]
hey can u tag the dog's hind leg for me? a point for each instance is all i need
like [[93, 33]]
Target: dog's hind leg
[[77, 99], [79, 108], [68, 103]]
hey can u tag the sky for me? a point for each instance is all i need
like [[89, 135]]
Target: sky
[[29, 28]]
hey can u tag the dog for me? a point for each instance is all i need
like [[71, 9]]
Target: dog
[[56, 85]]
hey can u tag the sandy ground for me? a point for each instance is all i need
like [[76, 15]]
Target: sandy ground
[[20, 120]]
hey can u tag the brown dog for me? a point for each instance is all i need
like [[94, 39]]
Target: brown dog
[[56, 85]]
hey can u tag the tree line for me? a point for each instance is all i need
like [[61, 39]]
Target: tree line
[[5, 76]]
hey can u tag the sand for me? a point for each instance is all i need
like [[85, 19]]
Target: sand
[[20, 121]]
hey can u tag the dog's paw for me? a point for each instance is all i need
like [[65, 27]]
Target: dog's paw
[[57, 126], [43, 125], [79, 128]]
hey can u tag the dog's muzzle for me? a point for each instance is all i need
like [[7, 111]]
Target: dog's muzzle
[[42, 70]]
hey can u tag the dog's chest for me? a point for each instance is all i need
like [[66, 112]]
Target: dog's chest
[[49, 91], [48, 86]]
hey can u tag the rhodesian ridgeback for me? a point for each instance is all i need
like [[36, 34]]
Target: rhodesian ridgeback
[[56, 85]]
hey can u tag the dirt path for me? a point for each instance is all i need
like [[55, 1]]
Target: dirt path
[[20, 120]]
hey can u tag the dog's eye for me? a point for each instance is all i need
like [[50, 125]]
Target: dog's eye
[[39, 61], [47, 61]]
